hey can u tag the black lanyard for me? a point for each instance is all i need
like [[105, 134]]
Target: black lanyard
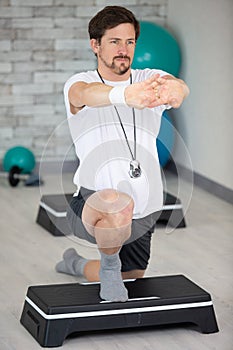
[[133, 155]]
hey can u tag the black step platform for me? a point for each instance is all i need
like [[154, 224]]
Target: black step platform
[[52, 312], [52, 213]]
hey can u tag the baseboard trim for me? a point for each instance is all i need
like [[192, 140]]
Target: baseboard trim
[[203, 182]]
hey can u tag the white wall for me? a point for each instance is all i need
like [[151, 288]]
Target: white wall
[[204, 29]]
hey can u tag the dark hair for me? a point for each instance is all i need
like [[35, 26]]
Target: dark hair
[[110, 17]]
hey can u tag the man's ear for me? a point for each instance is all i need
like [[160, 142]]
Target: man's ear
[[94, 45]]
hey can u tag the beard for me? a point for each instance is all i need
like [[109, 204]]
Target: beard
[[118, 69]]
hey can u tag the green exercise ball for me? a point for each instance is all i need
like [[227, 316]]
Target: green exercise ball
[[157, 48], [19, 156]]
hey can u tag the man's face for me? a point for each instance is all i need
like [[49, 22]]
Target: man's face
[[116, 50]]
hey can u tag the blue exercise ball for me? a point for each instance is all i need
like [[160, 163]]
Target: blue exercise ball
[[165, 140], [19, 156], [156, 48]]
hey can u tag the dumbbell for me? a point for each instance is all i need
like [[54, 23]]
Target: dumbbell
[[18, 163], [15, 175]]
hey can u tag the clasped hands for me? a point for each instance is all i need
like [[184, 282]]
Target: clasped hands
[[156, 91]]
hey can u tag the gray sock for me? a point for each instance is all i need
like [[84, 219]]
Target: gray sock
[[111, 285], [72, 263]]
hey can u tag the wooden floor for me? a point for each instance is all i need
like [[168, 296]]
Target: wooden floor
[[203, 251]]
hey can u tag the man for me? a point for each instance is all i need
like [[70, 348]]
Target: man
[[114, 116]]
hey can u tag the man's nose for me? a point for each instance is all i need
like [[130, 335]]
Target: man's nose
[[123, 49]]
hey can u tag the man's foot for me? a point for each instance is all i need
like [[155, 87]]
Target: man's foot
[[72, 263], [111, 285]]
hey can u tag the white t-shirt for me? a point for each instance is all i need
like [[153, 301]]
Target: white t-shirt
[[103, 152]]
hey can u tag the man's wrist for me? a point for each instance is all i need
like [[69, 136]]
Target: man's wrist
[[117, 95]]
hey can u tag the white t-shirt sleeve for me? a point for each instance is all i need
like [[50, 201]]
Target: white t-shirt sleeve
[[85, 77]]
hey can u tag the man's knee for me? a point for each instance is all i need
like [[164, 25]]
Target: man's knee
[[112, 205], [107, 215], [120, 211]]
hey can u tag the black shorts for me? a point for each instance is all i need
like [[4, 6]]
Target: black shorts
[[135, 253]]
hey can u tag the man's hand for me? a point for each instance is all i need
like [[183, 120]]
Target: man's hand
[[170, 90], [156, 91], [142, 95]]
